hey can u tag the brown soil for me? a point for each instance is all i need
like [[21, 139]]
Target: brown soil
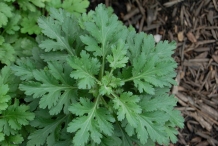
[[193, 24]]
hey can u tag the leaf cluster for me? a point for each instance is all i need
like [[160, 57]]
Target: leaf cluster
[[18, 25], [93, 81], [14, 116], [18, 28]]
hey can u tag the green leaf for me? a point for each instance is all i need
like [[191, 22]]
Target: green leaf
[[12, 140], [58, 29], [150, 70], [5, 13], [118, 59], [8, 78], [47, 128], [14, 117], [162, 102], [54, 56], [102, 29], [127, 107], [50, 29], [4, 98], [31, 5], [85, 69], [160, 109], [171, 132], [163, 49], [151, 125], [9, 0], [143, 86], [53, 4], [110, 141], [39, 3], [24, 68], [23, 46], [2, 40], [7, 53], [53, 87], [104, 120], [78, 6], [126, 140], [29, 23], [176, 118], [92, 125], [155, 131], [2, 136], [134, 42], [109, 83], [13, 24]]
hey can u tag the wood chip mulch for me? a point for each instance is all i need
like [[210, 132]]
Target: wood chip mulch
[[193, 24]]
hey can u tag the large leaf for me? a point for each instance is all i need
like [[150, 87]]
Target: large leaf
[[92, 125], [52, 94]]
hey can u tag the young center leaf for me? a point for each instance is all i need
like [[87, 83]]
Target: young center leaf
[[118, 58], [85, 69]]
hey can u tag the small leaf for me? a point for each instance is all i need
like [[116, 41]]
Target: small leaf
[[7, 53], [109, 83], [4, 98], [24, 68], [14, 117], [78, 6], [5, 13], [29, 23], [13, 24], [84, 70], [118, 59]]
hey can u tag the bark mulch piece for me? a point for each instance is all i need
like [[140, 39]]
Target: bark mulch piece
[[193, 24]]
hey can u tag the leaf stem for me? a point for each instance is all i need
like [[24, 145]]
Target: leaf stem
[[102, 68], [114, 95], [103, 62]]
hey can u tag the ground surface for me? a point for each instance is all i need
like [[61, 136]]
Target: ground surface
[[193, 24]]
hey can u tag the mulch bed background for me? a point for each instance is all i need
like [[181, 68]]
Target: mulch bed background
[[193, 24]]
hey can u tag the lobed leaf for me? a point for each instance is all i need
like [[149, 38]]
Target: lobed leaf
[[12, 140], [47, 129], [31, 5], [151, 68], [102, 30], [84, 69], [118, 59], [73, 6], [29, 23], [155, 131], [52, 94], [52, 29], [14, 117], [4, 98], [127, 107], [13, 24], [24, 68], [5, 13], [108, 83], [93, 124], [7, 54]]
